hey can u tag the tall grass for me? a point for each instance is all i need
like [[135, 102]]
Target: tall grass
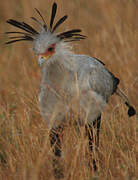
[[25, 153]]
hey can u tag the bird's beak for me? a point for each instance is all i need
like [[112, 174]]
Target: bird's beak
[[42, 60]]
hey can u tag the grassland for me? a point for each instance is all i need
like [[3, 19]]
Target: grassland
[[25, 153]]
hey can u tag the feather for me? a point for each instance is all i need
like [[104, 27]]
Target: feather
[[22, 26], [45, 26], [69, 32], [13, 32], [30, 27], [74, 38], [71, 40], [59, 22], [74, 35], [71, 35], [54, 10], [25, 37], [17, 40], [33, 18]]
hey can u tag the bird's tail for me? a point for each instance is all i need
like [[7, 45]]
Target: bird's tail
[[131, 110]]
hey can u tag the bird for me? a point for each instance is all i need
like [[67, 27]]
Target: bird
[[71, 83]]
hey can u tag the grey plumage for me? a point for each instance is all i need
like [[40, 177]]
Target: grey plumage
[[65, 72], [77, 77]]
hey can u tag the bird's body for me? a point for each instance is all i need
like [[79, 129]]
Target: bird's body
[[75, 82]]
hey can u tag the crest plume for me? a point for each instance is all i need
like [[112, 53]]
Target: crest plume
[[29, 33], [54, 10]]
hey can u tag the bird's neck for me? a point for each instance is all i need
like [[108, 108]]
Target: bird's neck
[[57, 67], [63, 56]]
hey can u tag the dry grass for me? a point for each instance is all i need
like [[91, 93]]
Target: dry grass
[[25, 154]]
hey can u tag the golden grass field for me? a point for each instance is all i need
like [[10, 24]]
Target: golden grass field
[[25, 154]]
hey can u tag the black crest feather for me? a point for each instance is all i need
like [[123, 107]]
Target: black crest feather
[[16, 40], [23, 26], [59, 22], [27, 35], [44, 25], [71, 35], [54, 10], [36, 20]]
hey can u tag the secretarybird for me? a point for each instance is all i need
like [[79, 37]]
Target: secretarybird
[[70, 82]]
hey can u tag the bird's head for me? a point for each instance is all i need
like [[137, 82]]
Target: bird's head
[[46, 43]]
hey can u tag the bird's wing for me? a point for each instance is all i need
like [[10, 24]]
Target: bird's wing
[[96, 77]]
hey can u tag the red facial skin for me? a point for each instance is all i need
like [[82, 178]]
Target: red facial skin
[[49, 51]]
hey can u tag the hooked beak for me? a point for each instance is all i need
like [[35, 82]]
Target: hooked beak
[[42, 60]]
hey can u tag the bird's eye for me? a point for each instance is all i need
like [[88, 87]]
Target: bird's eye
[[50, 49]]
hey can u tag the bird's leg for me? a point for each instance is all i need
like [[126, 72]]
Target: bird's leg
[[93, 138], [55, 141], [89, 131], [97, 124]]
